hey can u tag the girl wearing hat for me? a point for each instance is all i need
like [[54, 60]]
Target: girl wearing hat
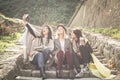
[[63, 51]]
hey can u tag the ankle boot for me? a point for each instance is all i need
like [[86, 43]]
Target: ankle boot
[[42, 70], [59, 73], [78, 70]]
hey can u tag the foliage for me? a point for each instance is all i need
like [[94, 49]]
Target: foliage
[[40, 11], [6, 41], [113, 32]]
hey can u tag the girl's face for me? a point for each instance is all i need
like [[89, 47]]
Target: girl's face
[[73, 36], [82, 42], [45, 31], [60, 30]]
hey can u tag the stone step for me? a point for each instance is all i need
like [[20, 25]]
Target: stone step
[[97, 53], [103, 61], [40, 78], [28, 78], [36, 78], [95, 50], [86, 74], [49, 74], [24, 72], [28, 65], [115, 72], [106, 65], [77, 79], [100, 57], [36, 73]]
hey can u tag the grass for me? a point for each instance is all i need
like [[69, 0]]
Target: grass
[[112, 32], [9, 40]]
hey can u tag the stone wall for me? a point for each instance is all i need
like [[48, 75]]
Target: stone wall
[[98, 13], [10, 66], [106, 46]]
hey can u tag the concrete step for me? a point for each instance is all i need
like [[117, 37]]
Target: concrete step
[[35, 78], [49, 74], [100, 57], [28, 65], [77, 79], [97, 53], [103, 61], [106, 65], [25, 72], [95, 50], [36, 73], [27, 78], [86, 74], [115, 72]]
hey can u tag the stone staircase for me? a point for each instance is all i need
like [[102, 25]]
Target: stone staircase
[[29, 72]]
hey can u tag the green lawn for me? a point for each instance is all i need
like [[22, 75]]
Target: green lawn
[[112, 32], [6, 41]]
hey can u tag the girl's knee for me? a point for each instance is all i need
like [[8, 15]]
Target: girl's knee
[[60, 53], [67, 53], [40, 54], [46, 50]]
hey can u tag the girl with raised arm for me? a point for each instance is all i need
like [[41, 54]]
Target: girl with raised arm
[[41, 47]]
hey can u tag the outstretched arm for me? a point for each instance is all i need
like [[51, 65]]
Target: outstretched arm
[[25, 16], [30, 30]]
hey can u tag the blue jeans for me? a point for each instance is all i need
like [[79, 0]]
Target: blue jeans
[[41, 58]]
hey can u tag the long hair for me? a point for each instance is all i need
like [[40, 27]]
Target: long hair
[[49, 34], [65, 31], [78, 34]]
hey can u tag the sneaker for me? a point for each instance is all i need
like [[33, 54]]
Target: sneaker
[[79, 75], [86, 69], [82, 70], [59, 74]]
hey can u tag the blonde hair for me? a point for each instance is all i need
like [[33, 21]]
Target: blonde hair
[[65, 32]]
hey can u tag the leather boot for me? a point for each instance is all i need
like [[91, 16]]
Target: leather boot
[[78, 70], [42, 71], [59, 73]]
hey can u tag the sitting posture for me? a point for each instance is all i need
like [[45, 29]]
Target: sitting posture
[[85, 50], [77, 58], [63, 51], [41, 47]]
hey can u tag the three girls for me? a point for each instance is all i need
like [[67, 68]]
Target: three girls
[[65, 51]]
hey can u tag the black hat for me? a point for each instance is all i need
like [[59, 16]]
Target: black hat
[[61, 25]]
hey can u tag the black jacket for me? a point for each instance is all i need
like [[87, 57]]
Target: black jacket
[[85, 52]]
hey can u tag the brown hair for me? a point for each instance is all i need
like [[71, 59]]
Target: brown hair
[[49, 34], [78, 34]]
